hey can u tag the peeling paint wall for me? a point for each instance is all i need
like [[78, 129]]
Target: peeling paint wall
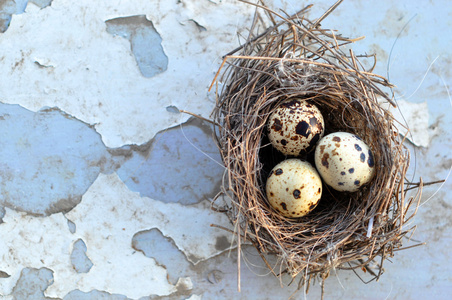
[[37, 176], [105, 187], [145, 43]]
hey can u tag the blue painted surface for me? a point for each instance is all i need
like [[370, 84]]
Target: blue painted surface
[[32, 284], [2, 213], [182, 165], [80, 262], [145, 42], [71, 226], [93, 295], [42, 3], [155, 245], [9, 8], [47, 159]]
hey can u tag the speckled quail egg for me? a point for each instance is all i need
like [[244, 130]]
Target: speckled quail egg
[[344, 161], [294, 188], [295, 127]]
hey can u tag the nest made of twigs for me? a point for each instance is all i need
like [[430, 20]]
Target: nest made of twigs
[[297, 58]]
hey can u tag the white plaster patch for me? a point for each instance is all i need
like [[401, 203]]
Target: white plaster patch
[[108, 217], [33, 242], [27, 241], [194, 297], [63, 56], [415, 116]]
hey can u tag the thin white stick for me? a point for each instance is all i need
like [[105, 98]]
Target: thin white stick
[[370, 227]]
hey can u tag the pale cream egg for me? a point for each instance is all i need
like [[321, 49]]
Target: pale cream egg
[[294, 188], [344, 161], [295, 127]]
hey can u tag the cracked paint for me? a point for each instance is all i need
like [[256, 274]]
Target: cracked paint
[[181, 164], [155, 245], [51, 242], [150, 238], [145, 42], [126, 213], [94, 75], [43, 142], [107, 218]]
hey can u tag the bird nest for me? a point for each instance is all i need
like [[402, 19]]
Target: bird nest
[[295, 57]]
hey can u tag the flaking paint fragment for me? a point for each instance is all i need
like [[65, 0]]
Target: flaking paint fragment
[[144, 40]]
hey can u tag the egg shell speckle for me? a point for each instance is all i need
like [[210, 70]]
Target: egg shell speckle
[[344, 161], [295, 127], [294, 188]]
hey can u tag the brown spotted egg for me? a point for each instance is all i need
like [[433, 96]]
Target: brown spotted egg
[[344, 161], [295, 127], [294, 188]]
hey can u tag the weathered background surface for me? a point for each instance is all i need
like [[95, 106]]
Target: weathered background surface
[[105, 187]]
